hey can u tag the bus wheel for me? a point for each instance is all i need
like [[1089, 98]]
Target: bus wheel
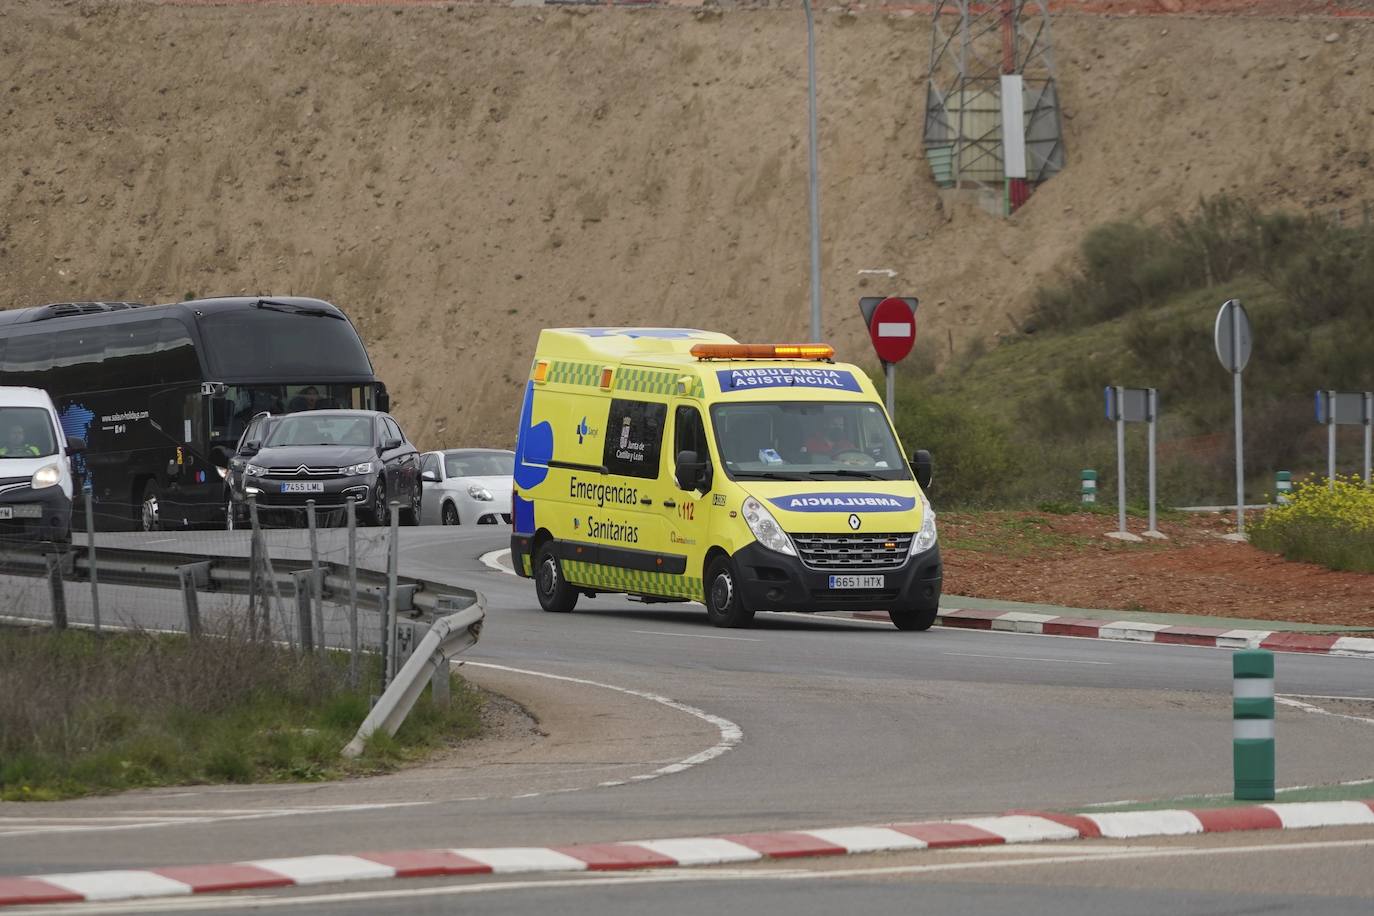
[[724, 605], [450, 514], [150, 512], [914, 618], [555, 594]]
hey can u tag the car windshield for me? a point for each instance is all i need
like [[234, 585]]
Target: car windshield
[[479, 464], [324, 429], [26, 432], [798, 440]]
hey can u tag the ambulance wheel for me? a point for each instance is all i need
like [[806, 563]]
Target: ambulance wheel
[[724, 604], [555, 594], [914, 618]]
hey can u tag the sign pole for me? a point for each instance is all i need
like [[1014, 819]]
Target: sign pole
[[1120, 462], [1153, 407], [1240, 434], [1331, 440], [814, 179], [890, 370], [1368, 434]]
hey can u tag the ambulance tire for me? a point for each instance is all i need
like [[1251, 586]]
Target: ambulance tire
[[914, 618], [724, 604], [555, 594]]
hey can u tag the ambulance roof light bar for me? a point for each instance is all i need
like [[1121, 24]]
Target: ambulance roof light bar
[[764, 351]]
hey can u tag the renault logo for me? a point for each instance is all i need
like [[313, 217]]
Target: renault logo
[[854, 522]]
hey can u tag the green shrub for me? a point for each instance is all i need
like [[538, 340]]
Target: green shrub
[[1332, 526]]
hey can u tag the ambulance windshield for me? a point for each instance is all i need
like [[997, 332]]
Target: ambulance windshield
[[793, 440]]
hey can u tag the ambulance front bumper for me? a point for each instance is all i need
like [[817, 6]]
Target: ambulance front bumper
[[771, 581]]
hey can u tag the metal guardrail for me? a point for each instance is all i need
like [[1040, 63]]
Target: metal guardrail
[[192, 573]]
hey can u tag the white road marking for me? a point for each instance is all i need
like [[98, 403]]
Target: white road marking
[[685, 876], [730, 733], [1322, 696], [492, 561], [161, 541], [1026, 658], [695, 636], [1317, 710]]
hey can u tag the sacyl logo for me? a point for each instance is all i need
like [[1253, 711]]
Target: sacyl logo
[[854, 522], [583, 430]]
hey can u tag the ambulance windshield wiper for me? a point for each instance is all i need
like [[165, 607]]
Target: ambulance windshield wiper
[[765, 475], [847, 472]]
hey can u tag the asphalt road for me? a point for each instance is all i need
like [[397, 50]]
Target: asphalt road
[[838, 723]]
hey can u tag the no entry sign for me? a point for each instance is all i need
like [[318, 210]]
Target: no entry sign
[[891, 325]]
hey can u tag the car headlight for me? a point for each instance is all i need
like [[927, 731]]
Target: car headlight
[[925, 538], [46, 476], [481, 494], [254, 470], [358, 470], [766, 528]]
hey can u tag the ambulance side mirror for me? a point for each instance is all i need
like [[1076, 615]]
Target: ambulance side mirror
[[924, 468], [692, 472]]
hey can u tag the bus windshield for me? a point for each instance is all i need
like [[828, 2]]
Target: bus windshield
[[282, 343], [244, 402], [800, 440]]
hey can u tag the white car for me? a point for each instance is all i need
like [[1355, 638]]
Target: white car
[[36, 485], [467, 486]]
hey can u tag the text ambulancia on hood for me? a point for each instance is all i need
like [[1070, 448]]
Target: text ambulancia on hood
[[842, 502]]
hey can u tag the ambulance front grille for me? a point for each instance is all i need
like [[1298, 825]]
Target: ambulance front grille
[[852, 551]]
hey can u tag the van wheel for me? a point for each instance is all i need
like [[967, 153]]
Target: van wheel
[[555, 594], [724, 604], [914, 618]]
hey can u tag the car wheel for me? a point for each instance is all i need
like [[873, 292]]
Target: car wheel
[[724, 604], [381, 509], [450, 515], [914, 618], [150, 509], [411, 514], [555, 594]]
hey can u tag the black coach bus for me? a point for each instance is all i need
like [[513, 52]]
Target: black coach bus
[[160, 392]]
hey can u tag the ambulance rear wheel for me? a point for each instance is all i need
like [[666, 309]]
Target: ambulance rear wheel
[[914, 618], [555, 594], [724, 605]]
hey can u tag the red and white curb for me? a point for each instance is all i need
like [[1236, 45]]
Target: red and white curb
[[1137, 631], [1016, 827], [1098, 628]]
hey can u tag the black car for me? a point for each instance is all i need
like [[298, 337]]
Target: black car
[[328, 456], [233, 462]]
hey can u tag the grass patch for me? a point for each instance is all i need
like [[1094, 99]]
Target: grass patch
[[1332, 526], [1014, 423], [82, 714]]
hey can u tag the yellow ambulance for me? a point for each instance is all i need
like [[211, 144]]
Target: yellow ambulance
[[678, 465]]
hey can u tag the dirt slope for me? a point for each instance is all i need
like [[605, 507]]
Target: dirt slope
[[458, 178]]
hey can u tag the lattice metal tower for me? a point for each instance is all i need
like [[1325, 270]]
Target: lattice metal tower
[[978, 51]]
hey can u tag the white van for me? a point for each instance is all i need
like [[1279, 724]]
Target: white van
[[35, 470]]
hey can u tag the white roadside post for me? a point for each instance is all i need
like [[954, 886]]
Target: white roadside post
[[1120, 461], [1152, 416], [1131, 405], [1232, 338]]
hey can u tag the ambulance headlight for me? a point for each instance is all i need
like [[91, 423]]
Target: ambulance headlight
[[766, 528], [925, 538], [47, 476]]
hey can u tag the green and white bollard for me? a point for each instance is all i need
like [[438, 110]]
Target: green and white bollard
[[1252, 706], [1283, 487], [1088, 480]]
